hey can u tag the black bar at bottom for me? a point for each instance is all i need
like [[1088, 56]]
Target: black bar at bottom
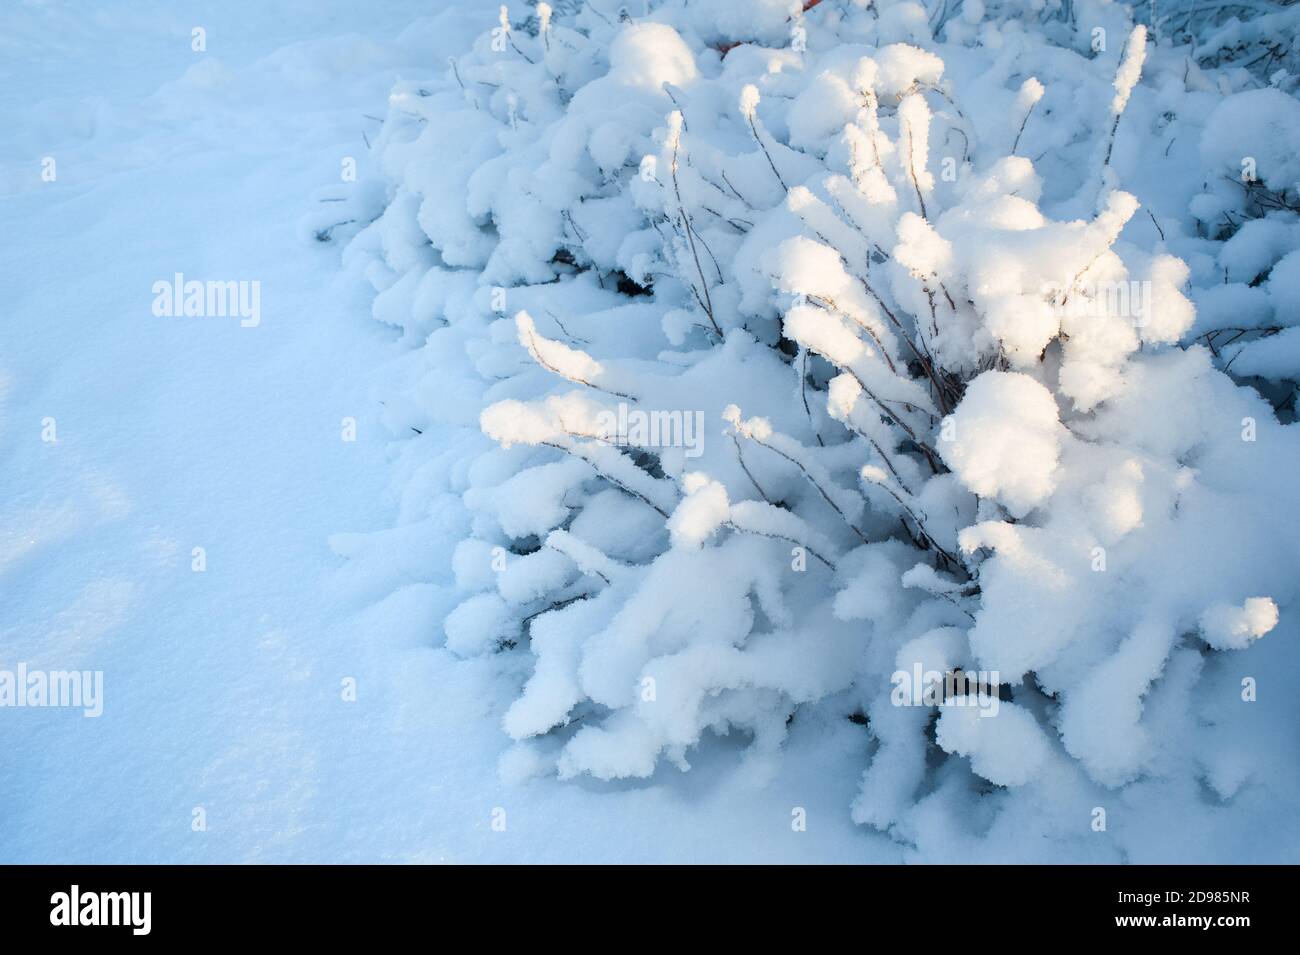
[[332, 904]]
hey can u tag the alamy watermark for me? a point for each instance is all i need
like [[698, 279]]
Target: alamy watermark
[[634, 427], [130, 909], [1130, 300], [192, 298], [62, 688], [918, 687]]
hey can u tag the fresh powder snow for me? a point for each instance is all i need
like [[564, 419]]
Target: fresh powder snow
[[668, 431]]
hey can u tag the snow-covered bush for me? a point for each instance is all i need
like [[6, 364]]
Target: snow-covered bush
[[765, 356]]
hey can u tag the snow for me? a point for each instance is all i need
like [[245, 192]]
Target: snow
[[1130, 68], [1228, 627], [1008, 750], [1005, 440], [1276, 356], [1260, 125], [651, 55], [702, 511], [222, 688], [965, 348]]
